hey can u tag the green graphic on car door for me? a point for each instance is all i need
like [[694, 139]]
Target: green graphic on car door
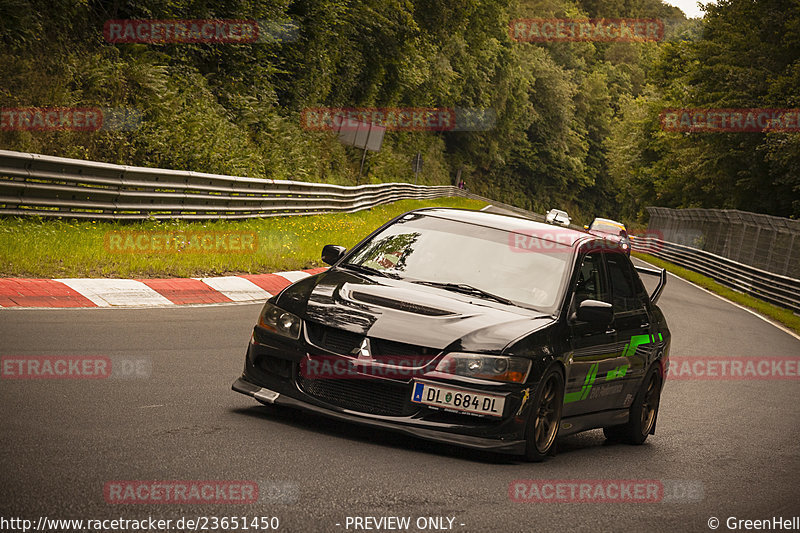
[[616, 373]]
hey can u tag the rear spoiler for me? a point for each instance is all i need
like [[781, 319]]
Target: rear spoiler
[[662, 282]]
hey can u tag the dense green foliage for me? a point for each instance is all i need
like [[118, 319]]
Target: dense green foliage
[[745, 54], [577, 123]]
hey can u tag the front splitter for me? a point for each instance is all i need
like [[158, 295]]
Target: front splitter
[[270, 397]]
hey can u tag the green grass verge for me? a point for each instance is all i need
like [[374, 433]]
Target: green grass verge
[[779, 314], [53, 248]]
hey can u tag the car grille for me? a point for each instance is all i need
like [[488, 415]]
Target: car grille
[[333, 339], [362, 395]]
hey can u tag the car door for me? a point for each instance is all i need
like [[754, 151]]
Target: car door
[[594, 350], [632, 325]]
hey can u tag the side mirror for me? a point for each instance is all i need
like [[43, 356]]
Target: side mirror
[[332, 253], [596, 313]]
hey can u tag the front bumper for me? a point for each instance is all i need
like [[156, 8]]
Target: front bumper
[[270, 397], [272, 376]]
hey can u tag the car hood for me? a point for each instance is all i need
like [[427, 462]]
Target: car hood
[[404, 312]]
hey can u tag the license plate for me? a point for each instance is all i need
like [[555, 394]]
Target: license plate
[[457, 399]]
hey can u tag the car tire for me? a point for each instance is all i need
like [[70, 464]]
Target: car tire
[[545, 416], [643, 412]]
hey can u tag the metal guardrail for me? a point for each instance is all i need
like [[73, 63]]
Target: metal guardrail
[[538, 217], [513, 209], [774, 288], [33, 184]]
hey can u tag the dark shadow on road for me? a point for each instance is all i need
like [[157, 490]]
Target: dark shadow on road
[[315, 423], [356, 432]]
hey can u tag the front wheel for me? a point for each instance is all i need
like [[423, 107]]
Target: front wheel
[[545, 416], [643, 412]]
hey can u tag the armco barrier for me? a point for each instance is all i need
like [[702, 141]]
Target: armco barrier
[[774, 288], [516, 210], [32, 184]]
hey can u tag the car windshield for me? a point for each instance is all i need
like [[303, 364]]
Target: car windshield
[[527, 270], [607, 228]]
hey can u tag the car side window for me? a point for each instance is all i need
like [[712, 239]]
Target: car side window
[[623, 285], [591, 283]]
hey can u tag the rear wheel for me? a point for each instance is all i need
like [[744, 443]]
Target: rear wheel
[[643, 412], [545, 416]]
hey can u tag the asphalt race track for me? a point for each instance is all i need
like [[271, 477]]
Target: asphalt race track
[[63, 440]]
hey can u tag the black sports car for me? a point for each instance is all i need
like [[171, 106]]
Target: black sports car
[[483, 330]]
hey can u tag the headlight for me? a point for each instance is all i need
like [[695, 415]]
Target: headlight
[[494, 367], [278, 321], [624, 245]]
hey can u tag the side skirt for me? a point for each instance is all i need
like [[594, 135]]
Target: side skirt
[[576, 424]]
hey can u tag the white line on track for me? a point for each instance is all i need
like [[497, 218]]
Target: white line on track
[[751, 311]]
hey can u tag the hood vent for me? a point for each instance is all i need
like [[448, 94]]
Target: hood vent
[[391, 303]]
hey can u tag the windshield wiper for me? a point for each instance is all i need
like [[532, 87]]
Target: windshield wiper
[[369, 270], [463, 288]]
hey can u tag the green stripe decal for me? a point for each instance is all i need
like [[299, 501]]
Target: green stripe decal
[[628, 351], [587, 386], [618, 372], [590, 378], [572, 397], [636, 340]]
